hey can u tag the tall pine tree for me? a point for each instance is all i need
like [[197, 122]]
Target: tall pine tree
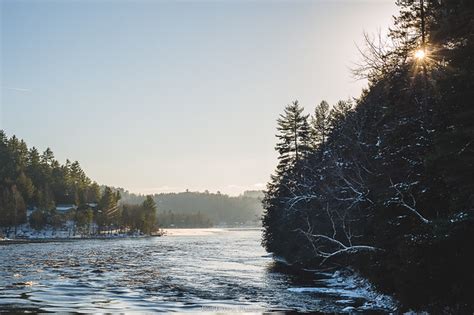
[[294, 146]]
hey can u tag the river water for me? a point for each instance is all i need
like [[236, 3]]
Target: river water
[[212, 270]]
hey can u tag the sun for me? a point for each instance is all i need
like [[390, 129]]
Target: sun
[[420, 54]]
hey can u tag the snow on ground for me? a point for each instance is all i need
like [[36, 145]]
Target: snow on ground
[[348, 285], [67, 232]]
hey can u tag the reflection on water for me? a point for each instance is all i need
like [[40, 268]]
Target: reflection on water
[[185, 271]]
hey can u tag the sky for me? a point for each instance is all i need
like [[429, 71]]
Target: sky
[[162, 96]]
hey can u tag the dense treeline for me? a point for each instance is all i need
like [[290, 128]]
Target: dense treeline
[[169, 219], [218, 208], [33, 180], [385, 185], [28, 177]]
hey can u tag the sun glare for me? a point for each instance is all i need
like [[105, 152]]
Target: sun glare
[[420, 54]]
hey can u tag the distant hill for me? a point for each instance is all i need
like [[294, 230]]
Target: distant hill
[[218, 208], [254, 194]]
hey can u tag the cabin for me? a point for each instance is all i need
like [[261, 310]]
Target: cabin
[[63, 208]]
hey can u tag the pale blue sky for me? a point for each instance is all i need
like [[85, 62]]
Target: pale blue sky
[[160, 96]]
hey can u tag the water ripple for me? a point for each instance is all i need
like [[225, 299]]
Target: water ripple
[[216, 269]]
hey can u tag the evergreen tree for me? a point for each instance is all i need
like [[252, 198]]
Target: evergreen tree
[[12, 208], [294, 145], [293, 135], [149, 215], [108, 210], [321, 124], [25, 185], [47, 158], [338, 113]]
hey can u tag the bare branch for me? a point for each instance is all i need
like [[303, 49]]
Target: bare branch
[[401, 202]]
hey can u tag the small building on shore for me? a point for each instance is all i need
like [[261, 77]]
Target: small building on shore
[[63, 208]]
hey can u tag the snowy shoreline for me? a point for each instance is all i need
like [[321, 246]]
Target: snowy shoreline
[[8, 241], [348, 286], [25, 234], [28, 235]]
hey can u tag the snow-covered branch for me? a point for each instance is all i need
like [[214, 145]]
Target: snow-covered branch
[[410, 205], [328, 247]]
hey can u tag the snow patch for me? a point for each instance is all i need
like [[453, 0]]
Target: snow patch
[[348, 285]]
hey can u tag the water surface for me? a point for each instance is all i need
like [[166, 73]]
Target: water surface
[[198, 270]]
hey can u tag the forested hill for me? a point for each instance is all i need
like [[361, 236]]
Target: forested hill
[[217, 207], [385, 184]]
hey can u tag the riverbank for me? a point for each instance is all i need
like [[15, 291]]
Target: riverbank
[[27, 235], [47, 236]]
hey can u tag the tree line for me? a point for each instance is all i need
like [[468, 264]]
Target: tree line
[[383, 184], [170, 219], [33, 180], [217, 208]]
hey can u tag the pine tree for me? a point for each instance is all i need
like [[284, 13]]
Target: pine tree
[[12, 208], [338, 113], [26, 187], [294, 146], [294, 136], [321, 124], [149, 215], [108, 209]]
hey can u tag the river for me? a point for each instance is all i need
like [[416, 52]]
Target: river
[[212, 270]]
